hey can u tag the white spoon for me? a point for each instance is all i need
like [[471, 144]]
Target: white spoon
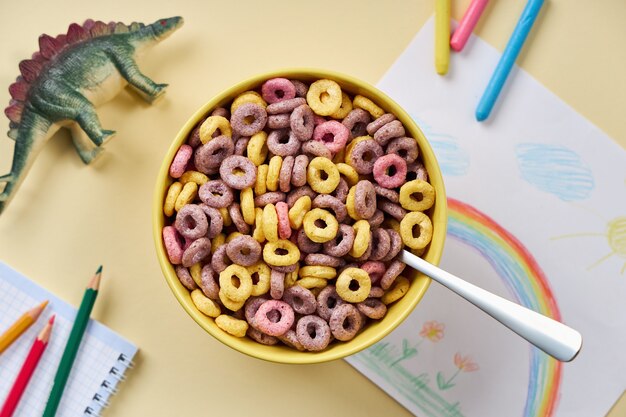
[[554, 338]]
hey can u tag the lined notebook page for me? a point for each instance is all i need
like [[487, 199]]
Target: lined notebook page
[[102, 353]]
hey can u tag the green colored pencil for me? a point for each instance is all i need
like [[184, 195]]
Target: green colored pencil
[[73, 342]]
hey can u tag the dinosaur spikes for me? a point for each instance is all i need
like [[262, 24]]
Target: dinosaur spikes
[[19, 89], [88, 24], [121, 28], [30, 69], [76, 33], [48, 46], [99, 29], [36, 56], [134, 26], [12, 133], [14, 111]]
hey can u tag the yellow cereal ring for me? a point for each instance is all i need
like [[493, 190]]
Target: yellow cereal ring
[[412, 219], [231, 325], [318, 271], [272, 258], [270, 223], [261, 179], [230, 304], [351, 146], [257, 148], [344, 109], [367, 105], [398, 289], [352, 177], [196, 273], [247, 97], [218, 241], [340, 156], [263, 283], [258, 234], [320, 234], [424, 191], [193, 176], [170, 198], [228, 286], [187, 195], [345, 280], [361, 238], [292, 277], [298, 210], [247, 205], [314, 171], [311, 282], [324, 97], [232, 235], [350, 204], [273, 172], [206, 306], [225, 216], [211, 125]]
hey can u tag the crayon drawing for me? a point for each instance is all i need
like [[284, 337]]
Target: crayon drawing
[[453, 159]]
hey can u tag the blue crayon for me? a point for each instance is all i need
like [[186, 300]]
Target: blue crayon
[[512, 50]]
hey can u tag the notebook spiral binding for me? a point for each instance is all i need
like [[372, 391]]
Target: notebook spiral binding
[[108, 386]]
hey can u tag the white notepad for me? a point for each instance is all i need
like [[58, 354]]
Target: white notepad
[[101, 362]]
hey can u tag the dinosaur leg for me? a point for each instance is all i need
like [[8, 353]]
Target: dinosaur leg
[[83, 144], [131, 73]]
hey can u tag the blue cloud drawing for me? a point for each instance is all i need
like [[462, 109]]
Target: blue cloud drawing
[[556, 170]]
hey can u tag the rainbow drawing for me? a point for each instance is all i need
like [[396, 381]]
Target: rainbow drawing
[[526, 282]]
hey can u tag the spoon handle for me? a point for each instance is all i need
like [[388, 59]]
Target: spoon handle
[[554, 338]]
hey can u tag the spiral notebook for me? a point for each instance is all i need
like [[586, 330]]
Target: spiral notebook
[[102, 361]]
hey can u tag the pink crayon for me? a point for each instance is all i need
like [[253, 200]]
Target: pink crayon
[[467, 24]]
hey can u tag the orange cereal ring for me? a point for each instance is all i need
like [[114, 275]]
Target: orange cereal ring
[[211, 125], [417, 195], [320, 233], [270, 223], [170, 198], [407, 225], [271, 257], [324, 97], [247, 205], [257, 148], [318, 183], [367, 105], [273, 173]]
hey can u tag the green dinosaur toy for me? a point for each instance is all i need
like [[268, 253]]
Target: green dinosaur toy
[[63, 83]]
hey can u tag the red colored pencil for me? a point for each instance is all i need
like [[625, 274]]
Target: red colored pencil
[[19, 386]]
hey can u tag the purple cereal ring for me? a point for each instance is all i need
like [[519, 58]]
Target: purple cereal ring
[[285, 106], [405, 148], [248, 119], [381, 244], [278, 121], [241, 146], [376, 292], [313, 332], [277, 89], [214, 220], [300, 299], [301, 88], [342, 243], [260, 337], [393, 209], [333, 203], [377, 219], [230, 168], [373, 127], [277, 284], [286, 268], [341, 192], [284, 176], [272, 197], [375, 269], [265, 323], [332, 134], [302, 122], [327, 301], [179, 164], [322, 260], [396, 245], [235, 214], [390, 171], [393, 270], [251, 307], [295, 194], [416, 171], [185, 278], [291, 339], [216, 194], [220, 259], [390, 195], [364, 199], [209, 156], [173, 242], [298, 172], [284, 227], [315, 148], [389, 131], [193, 139], [318, 120], [191, 222], [363, 156], [208, 282], [283, 142], [345, 321], [221, 111], [372, 308], [356, 121], [197, 251], [244, 250], [305, 244]]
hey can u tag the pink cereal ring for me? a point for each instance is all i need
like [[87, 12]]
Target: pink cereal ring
[[278, 89], [265, 313], [332, 134], [284, 228], [179, 164], [375, 270], [173, 244], [383, 167]]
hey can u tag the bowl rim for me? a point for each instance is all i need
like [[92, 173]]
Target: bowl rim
[[367, 337]]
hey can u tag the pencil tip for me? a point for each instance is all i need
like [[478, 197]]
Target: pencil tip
[[51, 321], [43, 304], [99, 269]]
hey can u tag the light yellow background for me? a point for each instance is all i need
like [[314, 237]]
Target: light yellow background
[[68, 218]]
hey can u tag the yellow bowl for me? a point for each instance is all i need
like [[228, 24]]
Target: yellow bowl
[[397, 312]]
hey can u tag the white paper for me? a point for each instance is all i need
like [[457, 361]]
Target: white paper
[[537, 193]]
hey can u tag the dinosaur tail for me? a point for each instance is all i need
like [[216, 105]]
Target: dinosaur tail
[[31, 136]]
